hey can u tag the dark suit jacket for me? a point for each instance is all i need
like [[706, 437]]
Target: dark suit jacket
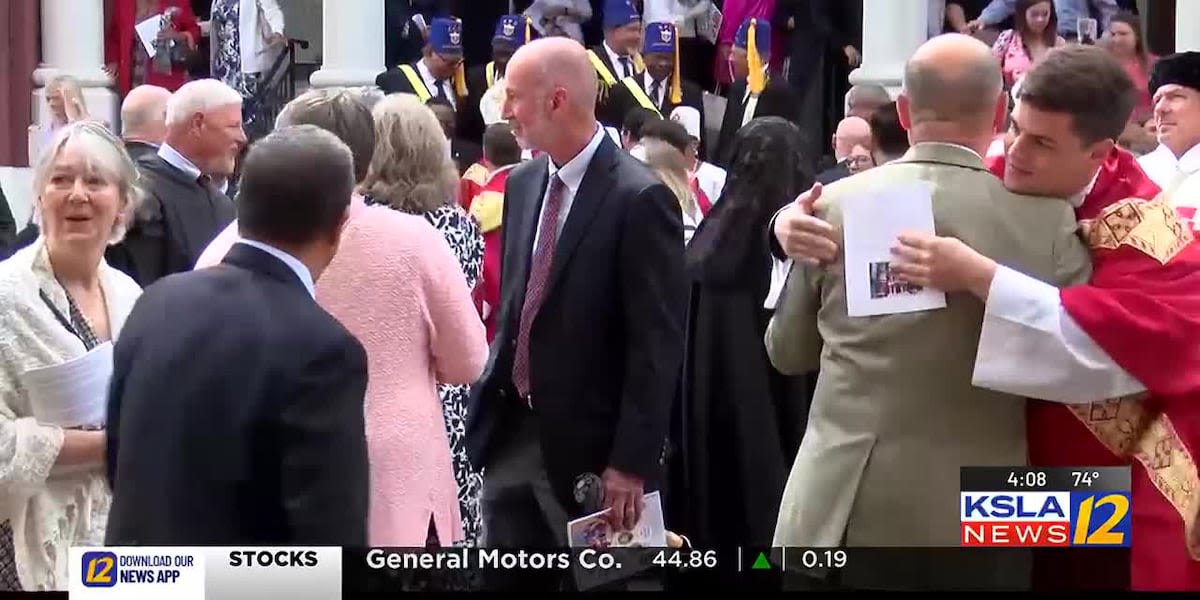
[[607, 344], [138, 150], [608, 111], [241, 423], [840, 170], [778, 99], [172, 227], [814, 36], [693, 96], [392, 81], [471, 125]]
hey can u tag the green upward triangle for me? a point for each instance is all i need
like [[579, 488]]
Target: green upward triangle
[[761, 562]]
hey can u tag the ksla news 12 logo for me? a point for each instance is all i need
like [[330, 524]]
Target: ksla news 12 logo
[[1044, 516]]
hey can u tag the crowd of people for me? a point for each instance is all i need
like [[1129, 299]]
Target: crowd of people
[[363, 330]]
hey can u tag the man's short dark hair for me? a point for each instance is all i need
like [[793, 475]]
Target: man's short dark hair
[[295, 186], [500, 146], [888, 135], [342, 112], [635, 119], [670, 132], [1086, 82]]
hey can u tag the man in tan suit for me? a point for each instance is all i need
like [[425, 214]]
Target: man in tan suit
[[894, 414]]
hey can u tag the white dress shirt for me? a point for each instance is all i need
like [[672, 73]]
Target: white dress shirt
[[618, 68], [571, 175], [292, 262], [1030, 345], [432, 85]]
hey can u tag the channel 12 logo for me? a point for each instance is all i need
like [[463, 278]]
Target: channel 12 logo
[[1045, 519], [99, 569]]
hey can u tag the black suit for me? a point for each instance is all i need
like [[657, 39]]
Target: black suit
[[605, 348], [608, 111], [235, 414], [173, 226], [692, 96], [840, 170], [470, 123], [392, 81], [139, 150], [778, 99]]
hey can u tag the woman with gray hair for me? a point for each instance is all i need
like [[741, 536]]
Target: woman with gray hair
[[61, 303], [412, 172]]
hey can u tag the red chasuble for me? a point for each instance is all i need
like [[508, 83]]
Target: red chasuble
[[1142, 306], [472, 182], [488, 207]]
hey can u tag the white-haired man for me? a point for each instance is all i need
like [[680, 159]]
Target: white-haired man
[[144, 120], [185, 187]]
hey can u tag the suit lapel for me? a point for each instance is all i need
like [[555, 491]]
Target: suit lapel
[[592, 193]]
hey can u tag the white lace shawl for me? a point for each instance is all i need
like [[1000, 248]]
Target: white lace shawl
[[50, 509]]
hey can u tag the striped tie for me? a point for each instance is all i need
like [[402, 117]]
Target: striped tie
[[535, 288]]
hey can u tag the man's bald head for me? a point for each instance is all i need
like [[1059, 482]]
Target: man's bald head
[[952, 78], [559, 62], [550, 97], [851, 132], [144, 114], [864, 98]]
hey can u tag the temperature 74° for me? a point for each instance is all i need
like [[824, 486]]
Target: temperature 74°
[[1084, 478]]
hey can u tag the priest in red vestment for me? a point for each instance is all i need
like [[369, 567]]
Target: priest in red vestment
[[1132, 330]]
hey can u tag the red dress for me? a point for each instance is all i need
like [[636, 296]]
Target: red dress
[[120, 38], [1142, 307]]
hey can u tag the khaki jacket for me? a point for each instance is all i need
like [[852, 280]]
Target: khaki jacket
[[894, 415]]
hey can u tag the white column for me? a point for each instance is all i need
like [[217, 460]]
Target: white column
[[352, 43], [1187, 25], [892, 30], [73, 44]]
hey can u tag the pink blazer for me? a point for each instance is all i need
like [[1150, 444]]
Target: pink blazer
[[396, 285]]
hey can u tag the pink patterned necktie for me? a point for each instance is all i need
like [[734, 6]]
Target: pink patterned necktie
[[535, 288]]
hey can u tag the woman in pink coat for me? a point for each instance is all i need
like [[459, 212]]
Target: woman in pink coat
[[396, 285]]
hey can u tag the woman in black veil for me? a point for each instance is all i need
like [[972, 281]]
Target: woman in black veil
[[738, 425]]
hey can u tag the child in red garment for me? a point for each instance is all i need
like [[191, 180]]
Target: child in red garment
[[500, 149]]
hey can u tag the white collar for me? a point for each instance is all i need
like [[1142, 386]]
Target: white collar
[[1077, 200], [1190, 161], [292, 262], [572, 173], [172, 157]]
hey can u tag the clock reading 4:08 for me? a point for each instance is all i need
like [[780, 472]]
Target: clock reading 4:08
[[1027, 479]]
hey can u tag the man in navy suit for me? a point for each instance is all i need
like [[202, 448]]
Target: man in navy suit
[[235, 412], [586, 358]]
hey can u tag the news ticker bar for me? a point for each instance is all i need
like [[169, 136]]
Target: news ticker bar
[[1033, 479], [329, 573]]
